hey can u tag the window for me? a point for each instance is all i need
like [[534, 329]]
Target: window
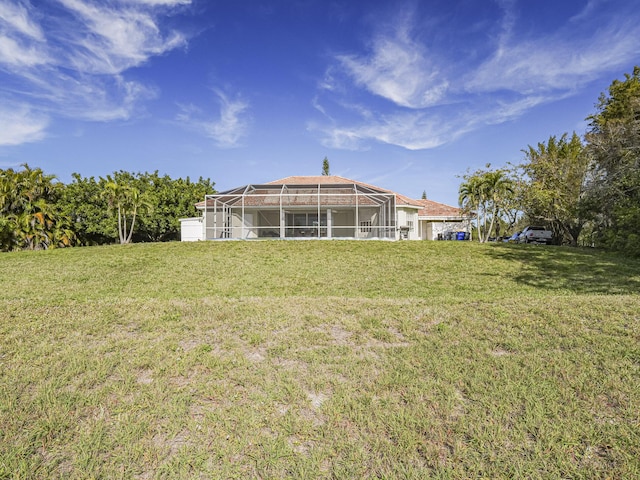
[[365, 227], [306, 225], [410, 225]]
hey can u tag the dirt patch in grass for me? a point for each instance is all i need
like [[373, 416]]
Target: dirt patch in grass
[[318, 371]]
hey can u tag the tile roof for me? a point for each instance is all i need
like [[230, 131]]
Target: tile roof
[[436, 209], [427, 208], [335, 180], [313, 180]]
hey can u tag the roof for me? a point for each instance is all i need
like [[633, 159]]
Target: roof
[[429, 208], [314, 180], [309, 181], [402, 200]]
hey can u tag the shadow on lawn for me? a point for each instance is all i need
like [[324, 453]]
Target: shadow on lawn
[[573, 269]]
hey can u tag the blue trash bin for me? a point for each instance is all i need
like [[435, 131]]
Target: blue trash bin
[[460, 236]]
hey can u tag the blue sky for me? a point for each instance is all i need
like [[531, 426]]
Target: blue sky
[[404, 95]]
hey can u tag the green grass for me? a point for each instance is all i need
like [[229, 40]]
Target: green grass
[[319, 359]]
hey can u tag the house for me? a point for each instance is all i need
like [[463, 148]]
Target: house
[[437, 221], [318, 207]]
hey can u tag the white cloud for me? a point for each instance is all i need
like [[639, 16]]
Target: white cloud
[[398, 69], [15, 54], [557, 63], [169, 3], [16, 18], [587, 11], [103, 100], [410, 130], [72, 60], [21, 39], [112, 40], [426, 109], [230, 126], [19, 124], [343, 138], [413, 131]]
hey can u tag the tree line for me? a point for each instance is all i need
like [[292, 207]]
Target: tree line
[[586, 190], [39, 212]]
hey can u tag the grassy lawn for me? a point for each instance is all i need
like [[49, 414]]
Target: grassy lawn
[[319, 359]]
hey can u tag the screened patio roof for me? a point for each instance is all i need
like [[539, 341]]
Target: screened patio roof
[[314, 191], [298, 207]]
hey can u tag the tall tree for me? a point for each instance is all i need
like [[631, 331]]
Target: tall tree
[[325, 166], [498, 188], [484, 193], [84, 201], [557, 173], [87, 204], [127, 201], [171, 200], [511, 212], [614, 143], [424, 195], [471, 200], [29, 215]]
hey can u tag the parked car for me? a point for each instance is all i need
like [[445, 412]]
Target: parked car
[[535, 235], [513, 238]]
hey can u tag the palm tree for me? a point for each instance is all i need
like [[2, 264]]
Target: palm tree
[[127, 201], [28, 210], [471, 199], [497, 186], [485, 193]]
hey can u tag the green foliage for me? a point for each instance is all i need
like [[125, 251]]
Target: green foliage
[[614, 143], [486, 193], [325, 166], [569, 186], [554, 195], [171, 200], [30, 218], [84, 202], [103, 209], [37, 212], [125, 200]]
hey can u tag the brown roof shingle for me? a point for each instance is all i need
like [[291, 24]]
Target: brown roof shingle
[[437, 209], [427, 208], [335, 180]]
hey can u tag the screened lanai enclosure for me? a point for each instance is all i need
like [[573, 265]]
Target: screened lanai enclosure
[[319, 210]]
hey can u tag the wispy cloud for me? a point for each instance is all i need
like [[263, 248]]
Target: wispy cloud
[[111, 40], [399, 69], [22, 42], [427, 98], [19, 124], [16, 18], [15, 54], [169, 3], [587, 11], [411, 130], [227, 129], [561, 62], [73, 62], [392, 172]]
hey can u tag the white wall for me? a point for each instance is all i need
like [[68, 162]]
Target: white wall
[[430, 230], [409, 217], [191, 229]]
